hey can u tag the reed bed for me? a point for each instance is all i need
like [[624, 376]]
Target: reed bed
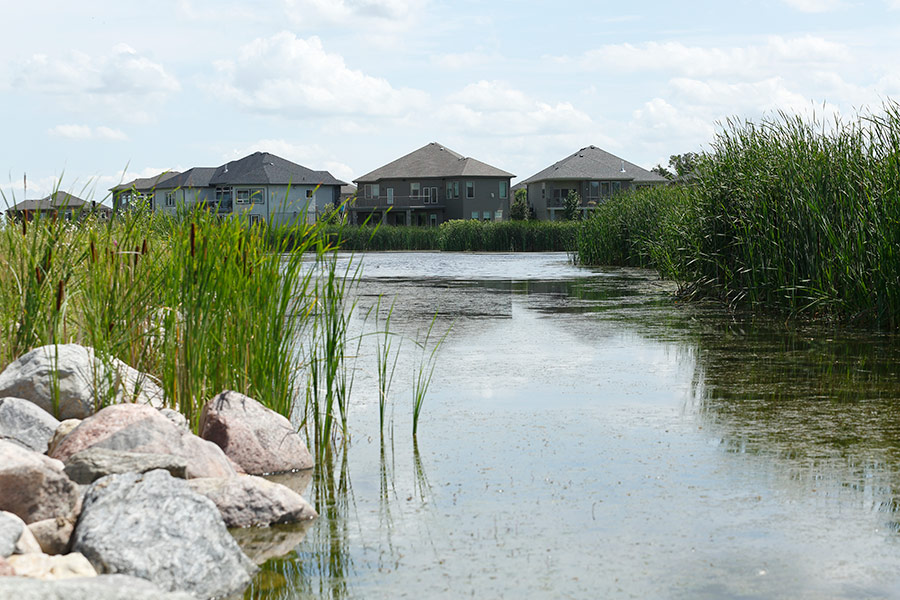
[[790, 214], [198, 303], [459, 236]]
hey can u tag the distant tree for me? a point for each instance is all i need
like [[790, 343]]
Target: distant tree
[[519, 209], [684, 164], [572, 206], [662, 171]]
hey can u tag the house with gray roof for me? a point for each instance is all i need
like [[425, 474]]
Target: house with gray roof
[[429, 186], [594, 174], [59, 204], [261, 186]]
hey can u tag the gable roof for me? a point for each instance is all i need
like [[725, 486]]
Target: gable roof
[[56, 200], [262, 168], [146, 184], [433, 160], [594, 163]]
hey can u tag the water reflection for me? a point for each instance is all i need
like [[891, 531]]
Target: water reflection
[[589, 436]]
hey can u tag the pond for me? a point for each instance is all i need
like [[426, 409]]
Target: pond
[[586, 435]]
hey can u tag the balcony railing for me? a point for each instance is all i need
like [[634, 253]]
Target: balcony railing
[[399, 202]]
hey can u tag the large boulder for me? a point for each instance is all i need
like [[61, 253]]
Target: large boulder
[[34, 486], [154, 526], [140, 428], [80, 379], [250, 501], [25, 423], [258, 439], [92, 463], [44, 566], [104, 587]]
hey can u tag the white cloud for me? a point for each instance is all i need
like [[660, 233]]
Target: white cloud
[[296, 77], [391, 15], [85, 132], [122, 81], [696, 61], [495, 108], [816, 6]]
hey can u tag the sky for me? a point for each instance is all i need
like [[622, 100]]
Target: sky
[[94, 93]]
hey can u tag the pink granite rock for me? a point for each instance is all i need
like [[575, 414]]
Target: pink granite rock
[[256, 438], [33, 486]]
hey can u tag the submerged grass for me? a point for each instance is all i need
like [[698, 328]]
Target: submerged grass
[[790, 214]]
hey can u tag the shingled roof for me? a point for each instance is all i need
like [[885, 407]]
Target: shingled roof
[[433, 160], [596, 164], [58, 199], [146, 184], [262, 168]]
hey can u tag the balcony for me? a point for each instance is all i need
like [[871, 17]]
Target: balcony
[[399, 203]]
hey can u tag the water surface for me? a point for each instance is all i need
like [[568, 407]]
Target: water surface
[[588, 436]]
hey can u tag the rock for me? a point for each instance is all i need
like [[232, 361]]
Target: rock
[[263, 543], [11, 528], [24, 422], [250, 501], [103, 587], [154, 526], [253, 436], [176, 417], [84, 381], [64, 429], [95, 462], [34, 486], [43, 566], [53, 535], [6, 569], [141, 428]]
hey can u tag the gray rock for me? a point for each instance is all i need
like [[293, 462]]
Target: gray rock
[[33, 486], [176, 417], [65, 428], [84, 381], [11, 528], [95, 462], [153, 526], [256, 438], [250, 501], [24, 422], [263, 543], [140, 428], [53, 535], [104, 587]]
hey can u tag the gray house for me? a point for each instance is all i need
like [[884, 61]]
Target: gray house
[[262, 186], [59, 204], [429, 186], [594, 174]]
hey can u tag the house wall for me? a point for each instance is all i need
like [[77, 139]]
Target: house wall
[[542, 195]]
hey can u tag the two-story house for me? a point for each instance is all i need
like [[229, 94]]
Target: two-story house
[[262, 186], [59, 204], [594, 174], [429, 186]]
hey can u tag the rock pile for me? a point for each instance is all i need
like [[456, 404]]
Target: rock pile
[[127, 491]]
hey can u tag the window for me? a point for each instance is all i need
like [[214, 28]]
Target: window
[[456, 189], [258, 196], [543, 191], [503, 189], [470, 189], [224, 197], [243, 196], [414, 189], [498, 215], [486, 216], [430, 194], [449, 190], [310, 194], [594, 189], [390, 195], [254, 219], [170, 198], [616, 186], [475, 215], [372, 190], [604, 189], [433, 219]]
